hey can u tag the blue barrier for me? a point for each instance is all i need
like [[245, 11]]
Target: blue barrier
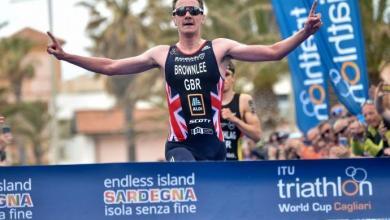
[[302, 189]]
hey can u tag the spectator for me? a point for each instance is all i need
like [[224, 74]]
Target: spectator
[[338, 111], [382, 101], [370, 142], [341, 147], [340, 128], [328, 137], [311, 149], [293, 147]]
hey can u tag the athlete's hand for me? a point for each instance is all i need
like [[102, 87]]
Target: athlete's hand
[[313, 22], [2, 119], [55, 48], [228, 115]]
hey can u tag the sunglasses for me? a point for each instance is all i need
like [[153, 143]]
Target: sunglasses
[[193, 10], [324, 133], [341, 130]]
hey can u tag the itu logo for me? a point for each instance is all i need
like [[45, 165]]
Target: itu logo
[[358, 177], [355, 183]]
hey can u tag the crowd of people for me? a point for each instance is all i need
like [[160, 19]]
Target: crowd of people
[[342, 136]]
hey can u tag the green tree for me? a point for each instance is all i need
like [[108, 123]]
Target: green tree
[[123, 34], [377, 38], [29, 121], [13, 66]]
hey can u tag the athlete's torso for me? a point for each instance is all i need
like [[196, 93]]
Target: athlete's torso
[[194, 94], [231, 132]]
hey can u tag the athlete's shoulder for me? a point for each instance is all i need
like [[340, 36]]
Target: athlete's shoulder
[[224, 45], [245, 100], [245, 97], [158, 54], [223, 41], [159, 49]]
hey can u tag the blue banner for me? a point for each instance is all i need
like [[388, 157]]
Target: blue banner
[[336, 53], [308, 71], [323, 189], [341, 45]]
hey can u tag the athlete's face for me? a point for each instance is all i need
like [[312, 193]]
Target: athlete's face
[[229, 81], [371, 115], [191, 21]]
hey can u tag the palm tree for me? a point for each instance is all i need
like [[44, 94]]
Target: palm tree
[[13, 66], [126, 34], [29, 122], [377, 41]]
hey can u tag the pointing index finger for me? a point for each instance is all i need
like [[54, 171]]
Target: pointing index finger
[[313, 7], [52, 38]]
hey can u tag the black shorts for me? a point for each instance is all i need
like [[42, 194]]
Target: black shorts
[[182, 151]]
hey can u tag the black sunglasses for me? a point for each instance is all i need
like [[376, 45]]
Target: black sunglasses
[[327, 131], [342, 130], [193, 10]]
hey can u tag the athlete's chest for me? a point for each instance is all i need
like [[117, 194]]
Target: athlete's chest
[[192, 73]]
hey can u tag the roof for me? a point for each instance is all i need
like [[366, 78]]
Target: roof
[[35, 36], [94, 122]]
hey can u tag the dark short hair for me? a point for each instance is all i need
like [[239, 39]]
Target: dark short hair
[[230, 67], [175, 1]]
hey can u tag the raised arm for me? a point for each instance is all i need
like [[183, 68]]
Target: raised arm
[[278, 50], [106, 66]]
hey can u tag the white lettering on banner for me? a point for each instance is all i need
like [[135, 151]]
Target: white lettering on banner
[[317, 207], [313, 99], [15, 197], [355, 184], [143, 195], [322, 188], [286, 170], [342, 38], [129, 181], [186, 70], [8, 186], [294, 208]]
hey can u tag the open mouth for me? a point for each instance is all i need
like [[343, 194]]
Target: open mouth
[[188, 23]]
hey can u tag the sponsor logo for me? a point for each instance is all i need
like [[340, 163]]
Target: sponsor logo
[[173, 51], [354, 186], [165, 194], [199, 130], [207, 47], [196, 104], [190, 59], [312, 94], [200, 120]]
